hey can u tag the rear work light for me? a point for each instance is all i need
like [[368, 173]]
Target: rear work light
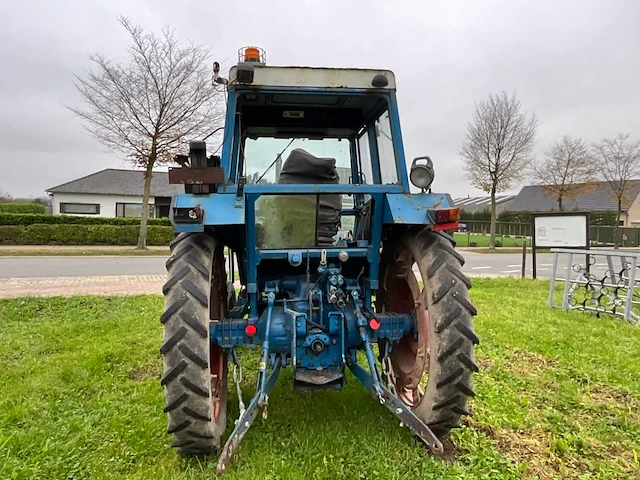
[[445, 218]]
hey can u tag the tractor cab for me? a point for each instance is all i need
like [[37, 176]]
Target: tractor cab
[[314, 126], [312, 158], [303, 238]]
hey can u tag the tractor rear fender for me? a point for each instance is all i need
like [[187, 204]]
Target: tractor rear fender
[[223, 209], [214, 209], [413, 209]]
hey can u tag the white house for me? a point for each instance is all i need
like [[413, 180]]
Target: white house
[[118, 193], [114, 193]]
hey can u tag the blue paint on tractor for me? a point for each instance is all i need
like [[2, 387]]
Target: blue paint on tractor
[[218, 209], [412, 209], [311, 305]]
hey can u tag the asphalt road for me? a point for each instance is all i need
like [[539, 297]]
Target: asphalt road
[[89, 266], [505, 264], [497, 264]]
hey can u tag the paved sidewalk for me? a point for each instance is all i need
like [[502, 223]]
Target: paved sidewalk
[[68, 286], [106, 285]]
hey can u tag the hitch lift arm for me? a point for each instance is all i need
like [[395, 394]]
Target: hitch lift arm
[[372, 382], [265, 384]]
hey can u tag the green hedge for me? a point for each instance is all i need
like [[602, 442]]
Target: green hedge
[[481, 216], [597, 218], [41, 219], [82, 235], [21, 208]]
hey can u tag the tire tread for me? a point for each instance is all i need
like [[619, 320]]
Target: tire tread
[[186, 379], [452, 366]]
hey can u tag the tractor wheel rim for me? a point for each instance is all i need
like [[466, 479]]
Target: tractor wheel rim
[[218, 378], [410, 359], [411, 397]]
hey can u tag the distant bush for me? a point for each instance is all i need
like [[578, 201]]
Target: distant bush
[[609, 219], [41, 219], [480, 216], [597, 218], [21, 208], [82, 235]]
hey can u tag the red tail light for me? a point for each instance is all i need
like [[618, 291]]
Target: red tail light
[[446, 215]]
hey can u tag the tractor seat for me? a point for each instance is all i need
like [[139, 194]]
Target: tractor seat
[[301, 167]]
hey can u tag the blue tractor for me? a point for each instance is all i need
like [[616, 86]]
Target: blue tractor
[[308, 214]]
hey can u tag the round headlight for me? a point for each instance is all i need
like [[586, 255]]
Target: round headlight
[[422, 173]]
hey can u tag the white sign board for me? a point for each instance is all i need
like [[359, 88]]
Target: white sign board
[[561, 230]]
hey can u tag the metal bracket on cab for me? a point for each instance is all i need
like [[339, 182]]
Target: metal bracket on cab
[[240, 192]]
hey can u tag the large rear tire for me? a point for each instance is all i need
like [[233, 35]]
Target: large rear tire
[[195, 372], [444, 315]]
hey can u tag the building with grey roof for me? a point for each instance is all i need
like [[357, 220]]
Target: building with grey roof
[[118, 193], [114, 193], [478, 204], [592, 197]]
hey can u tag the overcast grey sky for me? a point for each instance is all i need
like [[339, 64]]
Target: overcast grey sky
[[576, 64]]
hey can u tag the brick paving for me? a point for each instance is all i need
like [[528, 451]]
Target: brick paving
[[68, 286], [106, 285]]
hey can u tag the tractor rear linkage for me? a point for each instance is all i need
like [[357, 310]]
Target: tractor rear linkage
[[266, 381]]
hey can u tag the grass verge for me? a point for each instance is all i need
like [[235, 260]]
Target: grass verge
[[481, 240], [558, 396]]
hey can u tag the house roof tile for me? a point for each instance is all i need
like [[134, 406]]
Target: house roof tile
[[596, 196], [120, 182]]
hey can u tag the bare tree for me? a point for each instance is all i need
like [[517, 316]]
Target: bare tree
[[148, 108], [4, 196], [498, 147], [567, 171], [618, 161]]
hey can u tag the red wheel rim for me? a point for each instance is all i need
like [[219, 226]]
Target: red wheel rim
[[218, 367], [410, 358]]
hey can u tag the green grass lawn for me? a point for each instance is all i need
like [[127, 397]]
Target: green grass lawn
[[480, 240], [558, 396]]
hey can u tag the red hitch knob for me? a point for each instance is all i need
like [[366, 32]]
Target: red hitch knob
[[250, 330], [374, 324]]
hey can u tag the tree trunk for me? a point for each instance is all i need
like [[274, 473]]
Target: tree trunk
[[560, 203], [142, 237], [492, 230], [615, 230]]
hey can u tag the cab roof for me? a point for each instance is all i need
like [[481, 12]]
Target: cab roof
[[312, 77]]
